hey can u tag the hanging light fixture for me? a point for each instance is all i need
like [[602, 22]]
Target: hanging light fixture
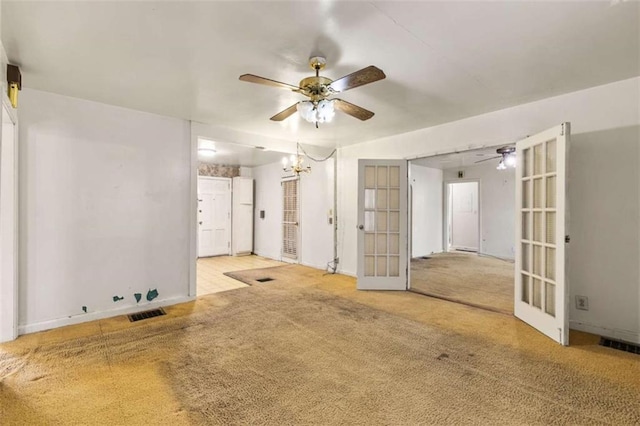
[[508, 159], [296, 161]]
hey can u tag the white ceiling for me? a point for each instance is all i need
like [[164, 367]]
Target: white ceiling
[[238, 155], [443, 60], [456, 160]]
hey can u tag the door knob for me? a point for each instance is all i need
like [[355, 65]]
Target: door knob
[[361, 227], [200, 223]]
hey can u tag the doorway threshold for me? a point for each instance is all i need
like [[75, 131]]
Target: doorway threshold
[[461, 302]]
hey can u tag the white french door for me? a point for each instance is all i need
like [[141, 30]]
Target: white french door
[[382, 225], [541, 288], [214, 216]]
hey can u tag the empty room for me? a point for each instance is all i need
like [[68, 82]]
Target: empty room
[[320, 212]]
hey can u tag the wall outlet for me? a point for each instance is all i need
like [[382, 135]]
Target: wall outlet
[[582, 303]]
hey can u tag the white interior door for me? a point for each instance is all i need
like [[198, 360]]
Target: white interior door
[[541, 288], [214, 216], [464, 216], [382, 225]]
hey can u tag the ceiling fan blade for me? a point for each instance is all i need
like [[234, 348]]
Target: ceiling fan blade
[[364, 76], [487, 159], [282, 115], [353, 110], [267, 82]]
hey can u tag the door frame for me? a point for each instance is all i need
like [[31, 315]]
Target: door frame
[[228, 218], [9, 234], [445, 213]]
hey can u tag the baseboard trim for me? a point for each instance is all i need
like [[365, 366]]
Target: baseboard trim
[[92, 316], [624, 335], [268, 256]]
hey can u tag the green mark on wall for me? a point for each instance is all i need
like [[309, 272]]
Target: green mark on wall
[[152, 294], [84, 308], [117, 298], [138, 296]]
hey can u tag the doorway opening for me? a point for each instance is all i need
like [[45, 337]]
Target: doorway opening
[[462, 217], [225, 217], [462, 228]]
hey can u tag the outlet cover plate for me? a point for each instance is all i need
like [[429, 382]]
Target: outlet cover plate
[[582, 303]]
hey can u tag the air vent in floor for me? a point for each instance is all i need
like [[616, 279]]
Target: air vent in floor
[[264, 280], [621, 346], [147, 314]]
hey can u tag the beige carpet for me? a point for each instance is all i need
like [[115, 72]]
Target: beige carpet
[[480, 281], [288, 352]]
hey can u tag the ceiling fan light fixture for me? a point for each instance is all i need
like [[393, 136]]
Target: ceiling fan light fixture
[[322, 111], [510, 160]]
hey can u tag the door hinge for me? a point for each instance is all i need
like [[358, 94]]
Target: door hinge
[[567, 239], [562, 130]]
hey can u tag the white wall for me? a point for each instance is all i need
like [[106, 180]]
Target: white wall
[[497, 206], [604, 200], [316, 199], [104, 209], [595, 113], [427, 210]]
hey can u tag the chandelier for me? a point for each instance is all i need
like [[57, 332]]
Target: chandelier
[[316, 111], [296, 161]]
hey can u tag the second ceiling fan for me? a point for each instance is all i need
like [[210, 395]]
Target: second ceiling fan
[[319, 108]]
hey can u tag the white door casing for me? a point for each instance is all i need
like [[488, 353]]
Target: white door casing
[[541, 287], [8, 222], [382, 225], [214, 216]]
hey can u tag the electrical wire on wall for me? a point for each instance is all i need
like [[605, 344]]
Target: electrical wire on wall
[[317, 160], [332, 266]]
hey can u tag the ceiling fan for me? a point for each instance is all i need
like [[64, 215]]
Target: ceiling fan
[[507, 157], [318, 89]]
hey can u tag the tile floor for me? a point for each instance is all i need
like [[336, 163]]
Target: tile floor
[[211, 278]]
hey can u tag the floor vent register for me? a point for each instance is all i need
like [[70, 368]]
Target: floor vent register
[[147, 314], [621, 346]]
